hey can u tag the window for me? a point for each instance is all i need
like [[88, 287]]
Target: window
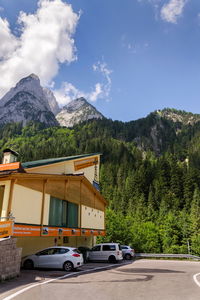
[[44, 252], [55, 212], [96, 248], [72, 213], [63, 213], [62, 250], [109, 247], [124, 247]]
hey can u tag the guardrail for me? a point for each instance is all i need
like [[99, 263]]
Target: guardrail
[[163, 255]]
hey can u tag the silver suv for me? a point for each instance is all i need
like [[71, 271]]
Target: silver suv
[[127, 252], [106, 251]]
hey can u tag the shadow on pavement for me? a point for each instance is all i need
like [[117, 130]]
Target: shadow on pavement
[[144, 270]]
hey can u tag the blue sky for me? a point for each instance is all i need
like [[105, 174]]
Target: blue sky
[[128, 58]]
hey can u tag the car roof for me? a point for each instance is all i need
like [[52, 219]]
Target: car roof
[[107, 244], [55, 247]]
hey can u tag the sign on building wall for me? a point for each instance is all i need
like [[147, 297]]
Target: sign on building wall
[[30, 230], [6, 229], [85, 163]]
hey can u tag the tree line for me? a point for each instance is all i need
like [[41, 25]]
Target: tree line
[[153, 196]]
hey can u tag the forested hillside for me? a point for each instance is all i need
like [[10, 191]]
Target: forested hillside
[[150, 175]]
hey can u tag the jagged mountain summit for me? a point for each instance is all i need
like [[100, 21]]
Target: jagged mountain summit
[[28, 101], [77, 111], [178, 116]]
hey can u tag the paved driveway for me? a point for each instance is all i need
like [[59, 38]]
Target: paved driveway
[[141, 279], [31, 277]]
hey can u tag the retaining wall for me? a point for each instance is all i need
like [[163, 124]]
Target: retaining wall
[[10, 259]]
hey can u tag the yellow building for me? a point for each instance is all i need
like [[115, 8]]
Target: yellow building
[[53, 201]]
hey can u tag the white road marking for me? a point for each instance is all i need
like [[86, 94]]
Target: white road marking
[[195, 279], [48, 281]]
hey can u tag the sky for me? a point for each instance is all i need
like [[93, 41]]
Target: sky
[[127, 58]]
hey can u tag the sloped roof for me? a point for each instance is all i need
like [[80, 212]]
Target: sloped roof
[[49, 161]]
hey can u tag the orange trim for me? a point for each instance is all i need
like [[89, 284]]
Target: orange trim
[[6, 229], [26, 230], [85, 163], [10, 166], [30, 230]]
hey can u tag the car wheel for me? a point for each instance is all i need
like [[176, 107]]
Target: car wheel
[[127, 256], [112, 259], [68, 266], [28, 264]]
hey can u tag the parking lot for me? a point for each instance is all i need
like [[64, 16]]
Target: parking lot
[[29, 277], [140, 279]]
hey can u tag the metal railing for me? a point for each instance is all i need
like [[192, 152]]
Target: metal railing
[[164, 255]]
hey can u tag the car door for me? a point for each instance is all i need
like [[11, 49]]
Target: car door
[[59, 256], [46, 258], [108, 250], [94, 253]]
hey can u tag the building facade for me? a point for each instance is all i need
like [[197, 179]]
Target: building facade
[[53, 201]]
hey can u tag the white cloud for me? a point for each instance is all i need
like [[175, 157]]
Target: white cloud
[[171, 11], [106, 86], [45, 41], [69, 92]]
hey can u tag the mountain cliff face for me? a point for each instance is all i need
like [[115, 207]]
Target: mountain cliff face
[[178, 116], [28, 101], [77, 111]]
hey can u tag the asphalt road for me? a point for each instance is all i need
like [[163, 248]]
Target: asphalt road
[[143, 279]]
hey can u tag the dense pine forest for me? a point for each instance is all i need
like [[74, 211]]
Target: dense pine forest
[[150, 174]]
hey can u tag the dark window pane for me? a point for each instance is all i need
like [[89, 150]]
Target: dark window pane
[[64, 214], [76, 251], [96, 248], [72, 213], [108, 247], [63, 250], [44, 252], [55, 212]]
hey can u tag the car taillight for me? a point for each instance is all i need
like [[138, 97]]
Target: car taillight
[[76, 255], [118, 253]]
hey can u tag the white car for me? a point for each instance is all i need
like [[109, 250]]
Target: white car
[[65, 258], [127, 252], [106, 251]]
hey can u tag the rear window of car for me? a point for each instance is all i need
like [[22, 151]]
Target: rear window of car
[[124, 247], [109, 247], [76, 251], [63, 250]]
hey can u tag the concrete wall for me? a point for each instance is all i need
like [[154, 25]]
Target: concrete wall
[[10, 259]]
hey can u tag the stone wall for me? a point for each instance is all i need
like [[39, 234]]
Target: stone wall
[[10, 259]]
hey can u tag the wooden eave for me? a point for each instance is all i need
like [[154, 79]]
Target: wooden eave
[[53, 177]]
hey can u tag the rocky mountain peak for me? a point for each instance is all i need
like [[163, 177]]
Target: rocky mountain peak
[[27, 101], [75, 104], [77, 111], [178, 116]]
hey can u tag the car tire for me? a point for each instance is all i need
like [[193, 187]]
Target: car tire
[[68, 266], [127, 256], [112, 259], [28, 264]]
